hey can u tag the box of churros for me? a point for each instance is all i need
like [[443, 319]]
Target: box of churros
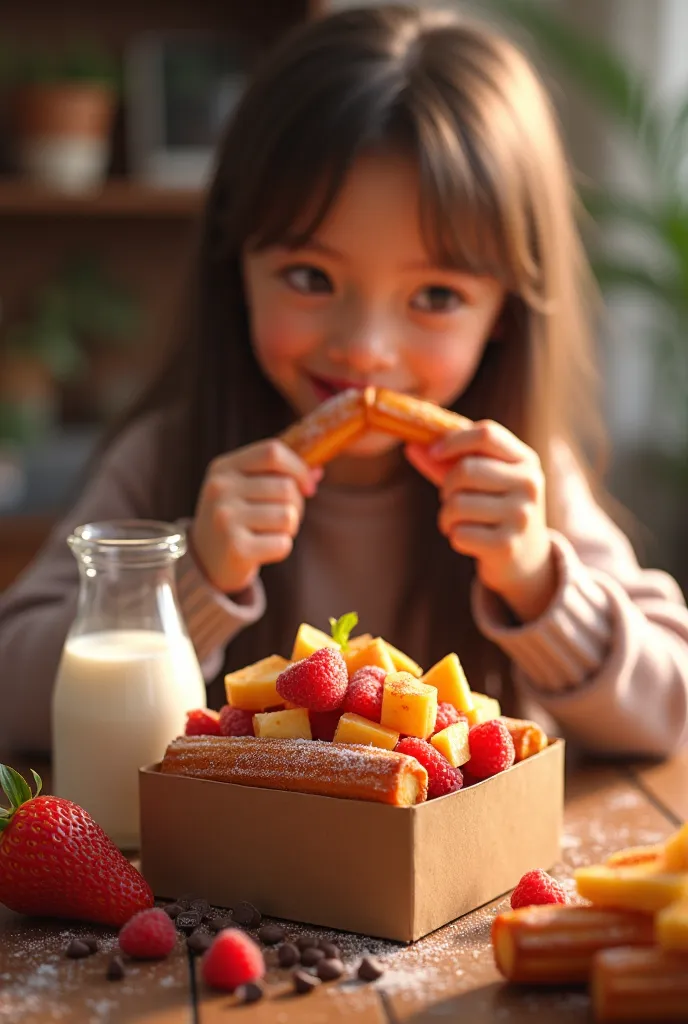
[[346, 786]]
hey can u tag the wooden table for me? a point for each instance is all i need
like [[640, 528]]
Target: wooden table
[[449, 976]]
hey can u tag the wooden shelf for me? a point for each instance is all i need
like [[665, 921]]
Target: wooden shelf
[[116, 198]]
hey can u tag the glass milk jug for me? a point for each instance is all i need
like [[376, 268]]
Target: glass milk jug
[[128, 672]]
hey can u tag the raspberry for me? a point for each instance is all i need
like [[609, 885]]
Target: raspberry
[[233, 959], [364, 696], [446, 715], [318, 682], [324, 724], [442, 778], [235, 722], [491, 747], [148, 935], [202, 722], [537, 887]]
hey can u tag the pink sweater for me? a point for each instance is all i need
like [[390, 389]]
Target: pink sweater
[[608, 660]]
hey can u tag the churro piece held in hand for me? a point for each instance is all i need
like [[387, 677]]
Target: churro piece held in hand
[[555, 944], [639, 984], [528, 737], [412, 419], [302, 766], [331, 427]]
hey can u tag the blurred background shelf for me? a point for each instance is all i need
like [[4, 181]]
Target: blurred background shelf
[[116, 198]]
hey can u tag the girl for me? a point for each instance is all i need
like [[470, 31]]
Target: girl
[[390, 206]]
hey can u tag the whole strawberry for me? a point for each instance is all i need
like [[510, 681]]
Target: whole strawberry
[[202, 722], [233, 959], [364, 696], [235, 722], [318, 682], [148, 935], [535, 888], [55, 861]]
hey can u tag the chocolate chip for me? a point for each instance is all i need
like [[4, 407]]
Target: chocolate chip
[[288, 955], [115, 969], [216, 924], [187, 899], [200, 906], [77, 949], [92, 942], [188, 920], [246, 915], [307, 942], [311, 956], [330, 970], [199, 942], [370, 969], [304, 983], [173, 910], [271, 934], [249, 993], [330, 950]]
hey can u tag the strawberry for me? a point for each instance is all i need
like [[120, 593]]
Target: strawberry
[[55, 861], [233, 959], [148, 935], [318, 682], [235, 722], [202, 722], [364, 696]]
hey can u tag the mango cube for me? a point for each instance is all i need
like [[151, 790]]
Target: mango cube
[[308, 640], [409, 706], [284, 725], [671, 927], [448, 678], [374, 653], [254, 688], [452, 743], [402, 662], [484, 709], [353, 728], [630, 888], [634, 855], [676, 850]]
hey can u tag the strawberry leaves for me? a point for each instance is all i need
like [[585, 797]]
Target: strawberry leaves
[[17, 791], [341, 628]]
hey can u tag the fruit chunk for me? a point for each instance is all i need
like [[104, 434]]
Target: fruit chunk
[[234, 959], [537, 888], [309, 639], [630, 888], [284, 725], [202, 722], [449, 679], [373, 653], [633, 855], [235, 721], [448, 715], [364, 696], [484, 708], [676, 850], [452, 743], [492, 749], [442, 778], [402, 662], [671, 926], [355, 729], [254, 688], [409, 706], [318, 683]]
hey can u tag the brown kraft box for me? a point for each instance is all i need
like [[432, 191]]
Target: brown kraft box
[[390, 872]]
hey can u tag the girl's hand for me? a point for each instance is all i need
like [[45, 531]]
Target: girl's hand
[[492, 492], [249, 510]]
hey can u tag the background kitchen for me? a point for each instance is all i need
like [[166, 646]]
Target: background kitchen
[[108, 115]]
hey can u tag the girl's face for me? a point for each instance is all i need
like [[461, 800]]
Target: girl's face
[[363, 302]]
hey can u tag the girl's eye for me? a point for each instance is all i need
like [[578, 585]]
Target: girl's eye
[[308, 280], [436, 299]]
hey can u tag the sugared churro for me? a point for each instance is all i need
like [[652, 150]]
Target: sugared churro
[[639, 984], [528, 737]]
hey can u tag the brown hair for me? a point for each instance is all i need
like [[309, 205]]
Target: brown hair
[[466, 105]]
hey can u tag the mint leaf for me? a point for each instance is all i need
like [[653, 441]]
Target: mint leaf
[[15, 787], [341, 628]]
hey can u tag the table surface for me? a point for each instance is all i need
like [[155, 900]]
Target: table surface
[[449, 975]]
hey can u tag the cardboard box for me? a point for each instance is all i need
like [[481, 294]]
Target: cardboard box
[[391, 872]]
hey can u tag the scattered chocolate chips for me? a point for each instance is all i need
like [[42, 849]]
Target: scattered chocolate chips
[[304, 983], [115, 969], [330, 950], [306, 942], [271, 934], [198, 942], [311, 956], [288, 955], [246, 915], [77, 949], [188, 920], [370, 969], [187, 899], [200, 906], [249, 993], [91, 941], [173, 910], [330, 970], [216, 924]]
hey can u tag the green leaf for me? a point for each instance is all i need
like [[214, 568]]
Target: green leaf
[[14, 786], [341, 628], [38, 782]]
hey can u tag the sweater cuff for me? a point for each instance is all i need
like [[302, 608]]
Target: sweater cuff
[[568, 643], [211, 617]]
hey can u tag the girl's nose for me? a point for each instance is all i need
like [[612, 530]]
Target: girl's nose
[[366, 348]]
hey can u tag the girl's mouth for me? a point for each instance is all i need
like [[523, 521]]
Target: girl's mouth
[[326, 387]]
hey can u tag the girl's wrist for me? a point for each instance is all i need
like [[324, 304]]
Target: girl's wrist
[[530, 597]]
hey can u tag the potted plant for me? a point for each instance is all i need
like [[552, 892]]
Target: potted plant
[[62, 110]]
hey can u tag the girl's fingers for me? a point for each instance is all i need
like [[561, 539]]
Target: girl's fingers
[[261, 548], [483, 438], [265, 518], [483, 473], [474, 539], [274, 490], [428, 467], [271, 456], [472, 508]]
